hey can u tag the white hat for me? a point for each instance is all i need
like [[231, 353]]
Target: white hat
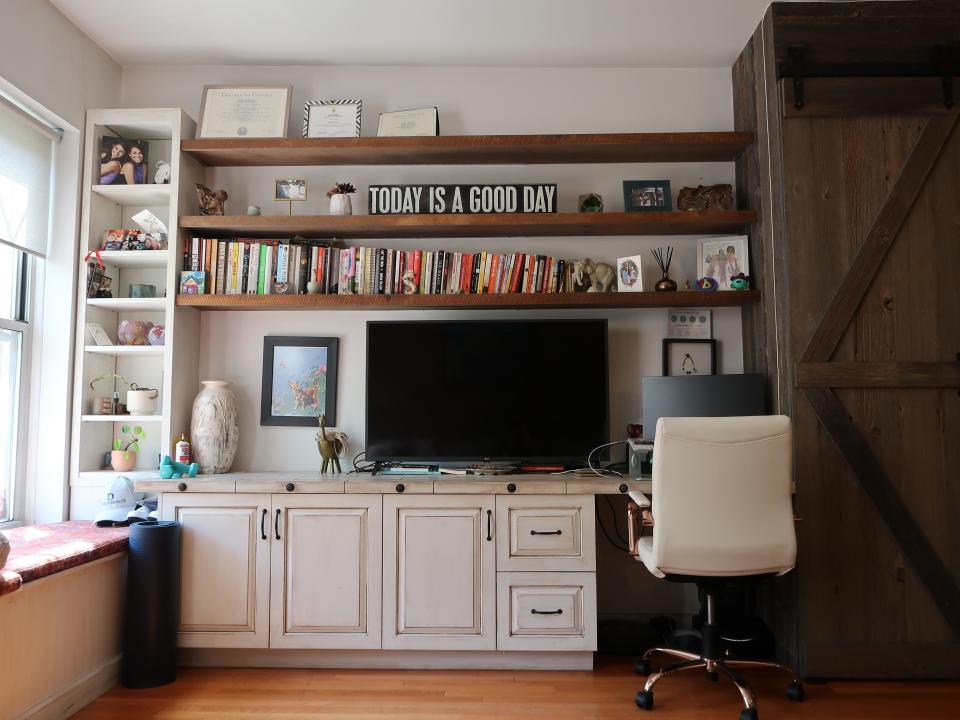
[[118, 499]]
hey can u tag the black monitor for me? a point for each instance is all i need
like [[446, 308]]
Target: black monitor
[[486, 390], [701, 396]]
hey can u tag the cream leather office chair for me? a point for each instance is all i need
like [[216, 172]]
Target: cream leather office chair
[[722, 512]]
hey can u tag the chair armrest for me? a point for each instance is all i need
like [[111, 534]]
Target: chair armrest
[[640, 499]]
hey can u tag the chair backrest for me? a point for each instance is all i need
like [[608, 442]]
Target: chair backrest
[[722, 491]]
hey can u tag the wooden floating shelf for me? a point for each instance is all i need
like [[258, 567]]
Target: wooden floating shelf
[[472, 149], [444, 226], [572, 301]]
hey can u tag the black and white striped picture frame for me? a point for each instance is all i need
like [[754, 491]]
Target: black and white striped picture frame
[[335, 124]]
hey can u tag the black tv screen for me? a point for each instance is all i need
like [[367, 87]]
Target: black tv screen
[[486, 390]]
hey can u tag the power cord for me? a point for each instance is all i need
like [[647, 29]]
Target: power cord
[[604, 472], [603, 529]]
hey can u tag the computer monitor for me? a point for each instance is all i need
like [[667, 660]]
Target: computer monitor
[[701, 396]]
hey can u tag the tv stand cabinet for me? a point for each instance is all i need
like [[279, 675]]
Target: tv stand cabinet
[[417, 571]]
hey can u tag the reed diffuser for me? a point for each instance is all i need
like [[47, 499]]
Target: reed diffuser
[[663, 258]]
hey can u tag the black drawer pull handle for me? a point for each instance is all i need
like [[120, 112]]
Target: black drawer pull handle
[[546, 532], [263, 529], [276, 525], [546, 612], [489, 525]]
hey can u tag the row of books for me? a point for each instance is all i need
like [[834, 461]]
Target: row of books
[[280, 267]]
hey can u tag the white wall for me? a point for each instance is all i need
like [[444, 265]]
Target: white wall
[[50, 66], [470, 101]]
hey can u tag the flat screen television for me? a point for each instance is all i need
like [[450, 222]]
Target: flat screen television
[[486, 390]]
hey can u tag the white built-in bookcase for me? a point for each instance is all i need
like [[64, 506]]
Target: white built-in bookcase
[[105, 207]]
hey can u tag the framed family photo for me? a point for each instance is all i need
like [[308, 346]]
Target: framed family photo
[[646, 196], [290, 189], [724, 258], [123, 162], [299, 380]]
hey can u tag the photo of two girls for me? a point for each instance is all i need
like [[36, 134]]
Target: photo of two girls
[[123, 162]]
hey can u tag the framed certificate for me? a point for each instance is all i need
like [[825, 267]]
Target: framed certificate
[[331, 118], [425, 121], [230, 111]]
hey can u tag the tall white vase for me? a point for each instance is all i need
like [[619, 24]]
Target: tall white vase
[[340, 204], [215, 427]]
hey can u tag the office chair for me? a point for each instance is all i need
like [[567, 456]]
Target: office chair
[[722, 513]]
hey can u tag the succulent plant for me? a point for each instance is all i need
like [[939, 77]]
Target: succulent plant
[[341, 189]]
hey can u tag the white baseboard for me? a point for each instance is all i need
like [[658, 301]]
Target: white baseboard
[[386, 659], [76, 696]]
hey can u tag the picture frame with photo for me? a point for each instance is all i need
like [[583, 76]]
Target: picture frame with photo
[[630, 274], [689, 323], [98, 334], [332, 118], [647, 196], [290, 189], [123, 162], [722, 258], [299, 380], [689, 356]]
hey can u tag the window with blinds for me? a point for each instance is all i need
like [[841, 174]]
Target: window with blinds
[[26, 177]]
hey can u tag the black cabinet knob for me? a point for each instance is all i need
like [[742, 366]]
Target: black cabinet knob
[[182, 487], [511, 487], [623, 487], [400, 488], [290, 487]]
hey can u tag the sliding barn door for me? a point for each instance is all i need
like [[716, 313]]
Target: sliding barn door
[[872, 242]]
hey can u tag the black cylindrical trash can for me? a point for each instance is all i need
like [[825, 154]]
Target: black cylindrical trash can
[[153, 605]]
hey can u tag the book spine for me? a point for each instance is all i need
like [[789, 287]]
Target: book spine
[[492, 277], [388, 272], [475, 273], [417, 267], [195, 253], [315, 254], [342, 272], [304, 268], [254, 269], [372, 272], [221, 266]]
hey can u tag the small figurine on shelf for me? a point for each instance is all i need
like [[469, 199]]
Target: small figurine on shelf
[[211, 203], [591, 202], [706, 197], [162, 174], [600, 276], [340, 203], [707, 284], [740, 282], [331, 444], [663, 258]]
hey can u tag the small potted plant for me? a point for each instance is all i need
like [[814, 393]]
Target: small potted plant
[[339, 195], [123, 458]]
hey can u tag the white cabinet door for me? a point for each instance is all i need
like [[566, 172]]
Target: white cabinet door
[[325, 572], [224, 568], [439, 576]]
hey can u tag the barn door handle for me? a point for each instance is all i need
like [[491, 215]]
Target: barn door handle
[[263, 529], [546, 532], [276, 525], [558, 611], [489, 525]]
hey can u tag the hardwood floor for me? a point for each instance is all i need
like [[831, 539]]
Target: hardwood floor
[[218, 694]]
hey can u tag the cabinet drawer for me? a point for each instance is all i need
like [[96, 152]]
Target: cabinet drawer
[[546, 611], [545, 533]]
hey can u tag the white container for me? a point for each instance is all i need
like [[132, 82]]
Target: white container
[[215, 427], [142, 402], [340, 204]]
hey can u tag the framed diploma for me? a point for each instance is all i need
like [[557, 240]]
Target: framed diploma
[[425, 121], [331, 118], [230, 111]]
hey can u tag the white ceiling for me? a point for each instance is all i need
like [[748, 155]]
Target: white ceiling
[[531, 33]]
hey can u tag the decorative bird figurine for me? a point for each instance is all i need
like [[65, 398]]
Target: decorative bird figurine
[[211, 203]]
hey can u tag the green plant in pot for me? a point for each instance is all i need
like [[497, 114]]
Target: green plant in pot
[[123, 458]]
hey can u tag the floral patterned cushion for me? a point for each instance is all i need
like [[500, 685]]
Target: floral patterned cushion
[[40, 550]]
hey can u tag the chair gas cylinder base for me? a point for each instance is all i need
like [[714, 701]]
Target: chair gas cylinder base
[[714, 529]]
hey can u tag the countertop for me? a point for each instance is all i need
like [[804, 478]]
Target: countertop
[[366, 483]]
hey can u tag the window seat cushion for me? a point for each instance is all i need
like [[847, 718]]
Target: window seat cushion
[[40, 550]]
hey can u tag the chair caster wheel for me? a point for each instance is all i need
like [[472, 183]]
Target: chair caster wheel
[[713, 676], [749, 714], [795, 691], [642, 667], [645, 700]]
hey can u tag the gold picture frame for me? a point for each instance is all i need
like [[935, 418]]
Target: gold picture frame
[[290, 190]]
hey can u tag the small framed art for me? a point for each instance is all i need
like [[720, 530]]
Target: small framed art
[[290, 190], [689, 323], [689, 356], [332, 118], [299, 380], [629, 274], [723, 258], [646, 196]]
